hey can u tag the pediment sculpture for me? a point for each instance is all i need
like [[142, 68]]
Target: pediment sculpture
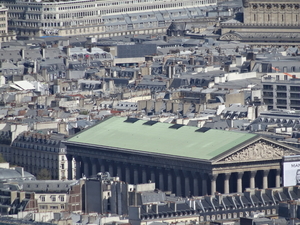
[[260, 150]]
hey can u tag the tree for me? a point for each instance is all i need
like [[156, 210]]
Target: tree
[[44, 174], [2, 160]]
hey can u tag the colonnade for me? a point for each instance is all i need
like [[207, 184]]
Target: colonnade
[[179, 181]]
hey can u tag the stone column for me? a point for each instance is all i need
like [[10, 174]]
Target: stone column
[[152, 175], [70, 168], [78, 168], [239, 181], [252, 179], [144, 175], [277, 178], [195, 184], [204, 184], [111, 168], [94, 167], [102, 165], [161, 179], [170, 181], [226, 183], [213, 179], [127, 173], [119, 171], [187, 189], [265, 179], [135, 174], [178, 185], [86, 165]]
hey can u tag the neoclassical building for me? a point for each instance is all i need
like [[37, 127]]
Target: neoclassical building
[[36, 151], [265, 21], [182, 159], [38, 18]]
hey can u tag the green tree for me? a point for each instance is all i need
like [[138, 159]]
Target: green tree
[[44, 174], [2, 160]]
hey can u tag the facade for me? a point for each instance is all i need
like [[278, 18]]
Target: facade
[[218, 207], [82, 17], [286, 120], [281, 94], [14, 200], [106, 194], [35, 151], [4, 34], [50, 195], [185, 160], [265, 21], [272, 12], [41, 196]]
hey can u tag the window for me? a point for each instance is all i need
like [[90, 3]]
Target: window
[[42, 198], [53, 197]]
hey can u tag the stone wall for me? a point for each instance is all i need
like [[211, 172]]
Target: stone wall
[[271, 12]]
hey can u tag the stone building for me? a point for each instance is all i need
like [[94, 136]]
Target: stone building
[[50, 195], [281, 94], [14, 200], [265, 21], [4, 34], [184, 160], [106, 194], [92, 17], [218, 207], [36, 151]]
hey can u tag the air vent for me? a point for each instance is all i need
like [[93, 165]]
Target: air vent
[[150, 123], [202, 129], [176, 126], [131, 120]]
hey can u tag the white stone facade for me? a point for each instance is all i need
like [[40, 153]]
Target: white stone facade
[[82, 17]]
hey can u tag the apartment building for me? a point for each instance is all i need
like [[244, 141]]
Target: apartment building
[[85, 17], [35, 151], [281, 94], [4, 35]]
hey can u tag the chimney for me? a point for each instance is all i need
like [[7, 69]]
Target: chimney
[[43, 53], [22, 53], [20, 170], [192, 60], [173, 206], [66, 62], [34, 66]]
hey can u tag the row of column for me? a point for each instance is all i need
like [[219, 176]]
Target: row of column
[[181, 182], [247, 179]]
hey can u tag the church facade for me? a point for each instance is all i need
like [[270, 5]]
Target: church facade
[[185, 160], [265, 21]]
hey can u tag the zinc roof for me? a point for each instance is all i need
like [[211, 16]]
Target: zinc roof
[[159, 138]]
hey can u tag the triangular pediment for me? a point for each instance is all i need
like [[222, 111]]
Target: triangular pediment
[[259, 150]]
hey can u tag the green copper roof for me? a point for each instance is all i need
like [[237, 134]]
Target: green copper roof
[[159, 138]]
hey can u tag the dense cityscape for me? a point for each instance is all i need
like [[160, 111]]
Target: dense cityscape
[[149, 112]]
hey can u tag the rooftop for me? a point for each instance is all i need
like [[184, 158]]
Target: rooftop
[[160, 138]]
